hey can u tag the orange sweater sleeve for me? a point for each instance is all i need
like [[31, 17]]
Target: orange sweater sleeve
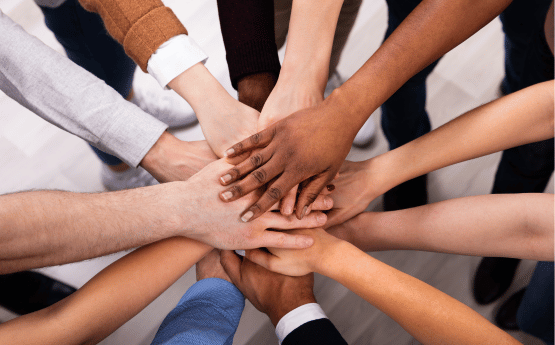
[[141, 26]]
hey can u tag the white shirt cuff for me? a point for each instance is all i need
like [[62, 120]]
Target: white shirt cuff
[[174, 57], [298, 317]]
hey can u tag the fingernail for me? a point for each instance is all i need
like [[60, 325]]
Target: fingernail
[[307, 242], [328, 202], [288, 210], [229, 152], [304, 211], [247, 216], [226, 178], [227, 195], [330, 187], [321, 218]]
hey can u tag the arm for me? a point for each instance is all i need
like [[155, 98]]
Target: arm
[[67, 96], [50, 228], [313, 143], [523, 117], [110, 299], [507, 225], [289, 302], [423, 311]]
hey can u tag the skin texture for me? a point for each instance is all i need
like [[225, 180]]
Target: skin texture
[[523, 117], [305, 68], [223, 119], [423, 311], [271, 293], [507, 225], [171, 159], [44, 228], [109, 299], [312, 143]]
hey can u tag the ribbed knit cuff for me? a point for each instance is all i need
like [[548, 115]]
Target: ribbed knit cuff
[[252, 57], [149, 32]]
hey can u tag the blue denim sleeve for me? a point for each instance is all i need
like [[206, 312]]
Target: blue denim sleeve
[[208, 314]]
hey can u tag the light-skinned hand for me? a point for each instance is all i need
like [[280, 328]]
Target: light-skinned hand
[[216, 223]]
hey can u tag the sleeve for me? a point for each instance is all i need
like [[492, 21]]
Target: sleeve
[[208, 314], [64, 94], [249, 37], [140, 26], [321, 331]]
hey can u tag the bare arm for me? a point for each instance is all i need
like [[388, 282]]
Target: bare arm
[[522, 117], [507, 225], [110, 299], [423, 311]]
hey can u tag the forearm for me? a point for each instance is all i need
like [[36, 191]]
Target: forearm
[[46, 228], [110, 299], [520, 118], [309, 43], [431, 30], [423, 311], [508, 225], [216, 110], [71, 98]]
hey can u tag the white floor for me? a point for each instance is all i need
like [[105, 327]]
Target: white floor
[[37, 155]]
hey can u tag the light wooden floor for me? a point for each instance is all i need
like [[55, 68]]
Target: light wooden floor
[[37, 155]]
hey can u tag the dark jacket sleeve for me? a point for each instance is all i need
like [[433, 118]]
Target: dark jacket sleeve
[[249, 38], [321, 332]]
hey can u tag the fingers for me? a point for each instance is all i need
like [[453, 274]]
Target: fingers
[[310, 193], [277, 239], [274, 220], [322, 203], [288, 202], [261, 258], [257, 140], [273, 194], [232, 265], [255, 161]]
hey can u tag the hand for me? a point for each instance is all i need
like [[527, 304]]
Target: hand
[[298, 262], [223, 119], [209, 267], [271, 293], [308, 145], [171, 159], [289, 96], [215, 223], [253, 90], [357, 185]]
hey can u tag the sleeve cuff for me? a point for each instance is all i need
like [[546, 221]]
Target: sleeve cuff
[[174, 57], [298, 317]]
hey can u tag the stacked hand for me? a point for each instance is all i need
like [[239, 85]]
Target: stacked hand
[[271, 293], [217, 224], [309, 145]]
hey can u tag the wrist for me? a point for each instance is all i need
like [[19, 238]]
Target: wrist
[[289, 304], [253, 90], [155, 155]]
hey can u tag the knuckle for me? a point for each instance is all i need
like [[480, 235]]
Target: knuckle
[[237, 190], [238, 147], [311, 197], [275, 193], [260, 176], [255, 139], [235, 172], [256, 160]]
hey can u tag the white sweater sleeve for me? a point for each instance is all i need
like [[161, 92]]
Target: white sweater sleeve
[[69, 97]]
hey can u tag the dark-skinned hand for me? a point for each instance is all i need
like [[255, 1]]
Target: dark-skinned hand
[[309, 145], [271, 293]]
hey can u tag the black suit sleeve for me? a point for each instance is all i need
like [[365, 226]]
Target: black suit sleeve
[[249, 37], [321, 332]]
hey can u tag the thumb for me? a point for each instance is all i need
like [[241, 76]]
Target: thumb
[[232, 265]]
